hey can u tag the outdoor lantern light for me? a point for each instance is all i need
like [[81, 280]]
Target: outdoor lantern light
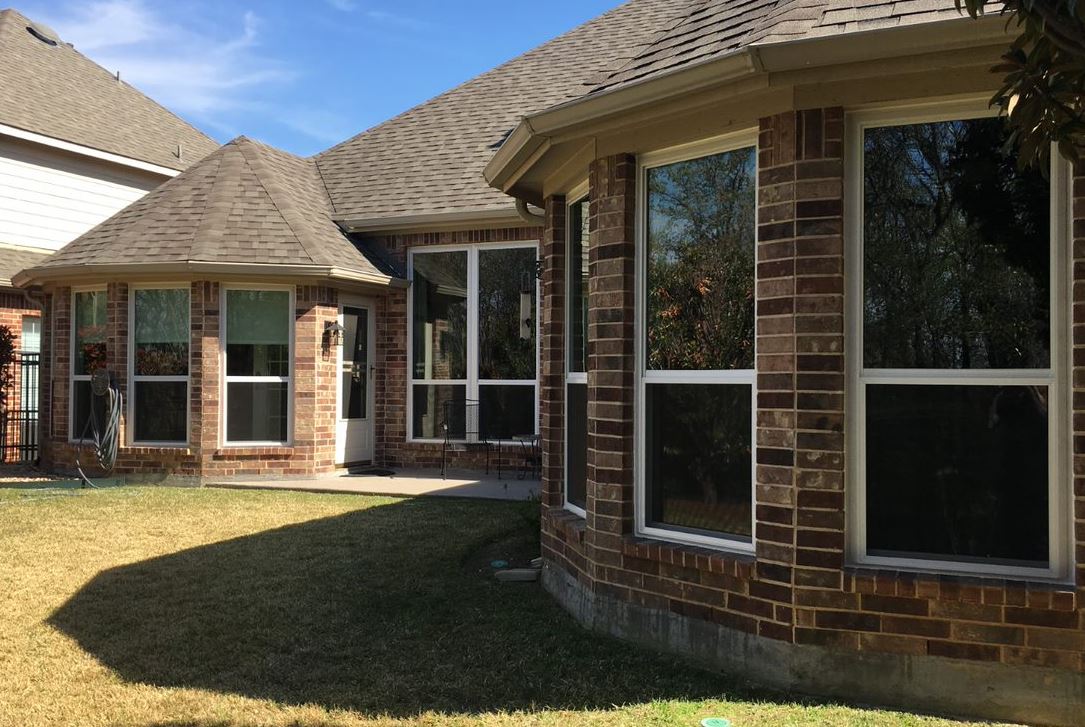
[[333, 334], [527, 289]]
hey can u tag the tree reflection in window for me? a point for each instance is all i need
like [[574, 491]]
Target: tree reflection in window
[[957, 266]]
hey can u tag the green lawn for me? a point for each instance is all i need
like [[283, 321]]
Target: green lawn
[[209, 608]]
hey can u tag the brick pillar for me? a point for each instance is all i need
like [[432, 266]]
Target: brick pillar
[[552, 354], [611, 265], [1078, 381], [206, 385], [800, 363]]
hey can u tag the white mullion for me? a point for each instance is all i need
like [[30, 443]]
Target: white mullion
[[472, 324]]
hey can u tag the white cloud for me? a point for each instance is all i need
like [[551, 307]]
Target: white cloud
[[192, 72]]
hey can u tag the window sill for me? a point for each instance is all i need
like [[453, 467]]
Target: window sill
[[149, 448], [1053, 593], [739, 565], [273, 450]]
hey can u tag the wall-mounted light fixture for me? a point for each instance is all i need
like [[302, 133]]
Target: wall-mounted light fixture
[[333, 334]]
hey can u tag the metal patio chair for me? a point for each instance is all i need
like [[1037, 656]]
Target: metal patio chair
[[462, 433]]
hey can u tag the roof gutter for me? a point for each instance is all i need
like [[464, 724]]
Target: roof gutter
[[41, 275], [430, 220], [540, 129]]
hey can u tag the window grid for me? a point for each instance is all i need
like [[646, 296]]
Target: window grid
[[472, 383], [860, 377], [231, 379], [136, 378], [646, 377]]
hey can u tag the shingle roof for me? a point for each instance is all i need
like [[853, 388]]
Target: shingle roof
[[245, 203], [712, 28], [58, 92], [13, 259], [430, 158]]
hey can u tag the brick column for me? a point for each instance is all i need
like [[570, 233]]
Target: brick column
[[800, 363], [611, 265], [552, 354], [206, 385]]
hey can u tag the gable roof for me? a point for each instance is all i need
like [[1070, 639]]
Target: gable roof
[[55, 91], [429, 160], [711, 28], [246, 204]]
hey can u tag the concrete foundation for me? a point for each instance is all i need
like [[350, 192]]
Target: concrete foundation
[[931, 684]]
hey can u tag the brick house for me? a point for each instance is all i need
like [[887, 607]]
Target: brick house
[[76, 145], [805, 354]]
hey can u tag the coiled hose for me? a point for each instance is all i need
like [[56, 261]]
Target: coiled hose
[[105, 436]]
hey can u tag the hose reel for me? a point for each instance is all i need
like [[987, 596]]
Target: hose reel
[[104, 435]]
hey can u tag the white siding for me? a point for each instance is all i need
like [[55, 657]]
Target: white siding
[[49, 197]]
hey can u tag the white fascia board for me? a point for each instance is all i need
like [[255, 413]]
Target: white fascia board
[[86, 151]]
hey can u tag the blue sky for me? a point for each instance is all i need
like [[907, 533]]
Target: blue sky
[[302, 74]]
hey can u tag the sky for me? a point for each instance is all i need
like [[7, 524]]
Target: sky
[[302, 75]]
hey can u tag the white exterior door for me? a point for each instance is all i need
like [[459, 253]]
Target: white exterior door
[[354, 427]]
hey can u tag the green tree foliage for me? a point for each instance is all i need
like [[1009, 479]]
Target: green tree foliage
[[1044, 84]]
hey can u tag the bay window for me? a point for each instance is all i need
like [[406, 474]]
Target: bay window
[[89, 353], [473, 337], [576, 377], [258, 365], [160, 365], [697, 378], [958, 367]]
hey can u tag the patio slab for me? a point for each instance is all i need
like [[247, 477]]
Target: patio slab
[[404, 483]]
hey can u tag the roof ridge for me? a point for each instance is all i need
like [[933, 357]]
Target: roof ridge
[[212, 218], [252, 151]]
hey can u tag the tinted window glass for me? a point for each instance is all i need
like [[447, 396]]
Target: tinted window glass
[[506, 314], [506, 411], [578, 286], [430, 410], [957, 252], [701, 251], [576, 451], [160, 409], [439, 328], [257, 411], [698, 465], [958, 472]]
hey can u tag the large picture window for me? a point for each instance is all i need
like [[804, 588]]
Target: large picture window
[[576, 377], [473, 337], [89, 353], [958, 362], [697, 347], [259, 355], [160, 365]]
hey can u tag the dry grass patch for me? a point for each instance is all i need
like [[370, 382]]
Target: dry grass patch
[[208, 608]]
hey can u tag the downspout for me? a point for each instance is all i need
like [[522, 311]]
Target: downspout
[[528, 216]]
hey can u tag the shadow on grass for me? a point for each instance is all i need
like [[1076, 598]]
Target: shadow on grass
[[381, 610]]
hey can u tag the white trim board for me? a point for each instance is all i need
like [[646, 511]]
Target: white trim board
[[87, 151]]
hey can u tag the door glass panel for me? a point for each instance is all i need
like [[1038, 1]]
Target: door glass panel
[[355, 373]]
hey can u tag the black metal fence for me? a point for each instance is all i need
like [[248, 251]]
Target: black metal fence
[[19, 437]]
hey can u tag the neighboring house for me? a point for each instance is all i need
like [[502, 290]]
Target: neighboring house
[[76, 145], [807, 352]]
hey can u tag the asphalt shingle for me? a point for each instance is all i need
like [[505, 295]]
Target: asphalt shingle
[[58, 92]]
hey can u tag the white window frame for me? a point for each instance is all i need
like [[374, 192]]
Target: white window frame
[[226, 380], [472, 382], [1054, 378], [134, 378], [747, 377], [72, 376], [578, 195]]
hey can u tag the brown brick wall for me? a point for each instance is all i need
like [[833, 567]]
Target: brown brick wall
[[314, 372], [797, 587], [393, 449]]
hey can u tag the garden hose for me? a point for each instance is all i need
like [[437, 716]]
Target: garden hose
[[105, 436]]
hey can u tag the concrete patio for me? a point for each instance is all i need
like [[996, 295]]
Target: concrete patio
[[403, 483]]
